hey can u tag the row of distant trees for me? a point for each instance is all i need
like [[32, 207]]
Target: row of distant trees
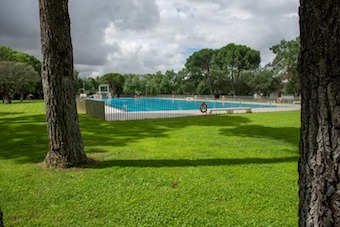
[[231, 70]]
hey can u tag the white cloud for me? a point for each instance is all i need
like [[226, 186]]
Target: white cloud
[[141, 52], [153, 35]]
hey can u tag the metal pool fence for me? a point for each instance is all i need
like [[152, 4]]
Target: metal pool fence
[[138, 108]]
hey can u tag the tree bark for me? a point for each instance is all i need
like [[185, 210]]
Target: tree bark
[[7, 99], [21, 97], [66, 147], [1, 219], [319, 66], [210, 81]]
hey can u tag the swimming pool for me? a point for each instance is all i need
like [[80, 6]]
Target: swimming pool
[[162, 104]]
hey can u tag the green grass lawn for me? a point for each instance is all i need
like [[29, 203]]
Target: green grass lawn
[[222, 170]]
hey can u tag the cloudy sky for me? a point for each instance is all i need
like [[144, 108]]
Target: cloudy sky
[[146, 36]]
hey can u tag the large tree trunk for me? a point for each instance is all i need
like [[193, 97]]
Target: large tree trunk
[[319, 168], [66, 147], [1, 219]]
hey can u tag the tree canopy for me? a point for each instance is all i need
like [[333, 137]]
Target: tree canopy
[[285, 64], [16, 77], [233, 60], [231, 70], [8, 54], [115, 81], [198, 66]]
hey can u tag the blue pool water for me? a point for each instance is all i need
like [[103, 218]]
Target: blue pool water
[[161, 104]]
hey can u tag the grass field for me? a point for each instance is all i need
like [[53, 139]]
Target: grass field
[[222, 170]]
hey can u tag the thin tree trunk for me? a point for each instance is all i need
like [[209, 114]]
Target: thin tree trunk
[[210, 81], [7, 99], [319, 168], [66, 147], [21, 97]]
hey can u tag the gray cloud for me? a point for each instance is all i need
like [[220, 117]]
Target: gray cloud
[[147, 36], [89, 21], [19, 25]]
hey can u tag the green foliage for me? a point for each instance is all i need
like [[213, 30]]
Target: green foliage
[[152, 83], [233, 60], [8, 54], [200, 61], [244, 88], [285, 64], [230, 70], [115, 81], [178, 81], [78, 82], [219, 71], [132, 84], [16, 77], [226, 170], [198, 66], [203, 74], [222, 83], [237, 57], [91, 85], [263, 82], [167, 83]]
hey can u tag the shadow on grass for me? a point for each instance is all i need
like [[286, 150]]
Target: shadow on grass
[[188, 163], [121, 133], [24, 137], [4, 114], [286, 134]]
